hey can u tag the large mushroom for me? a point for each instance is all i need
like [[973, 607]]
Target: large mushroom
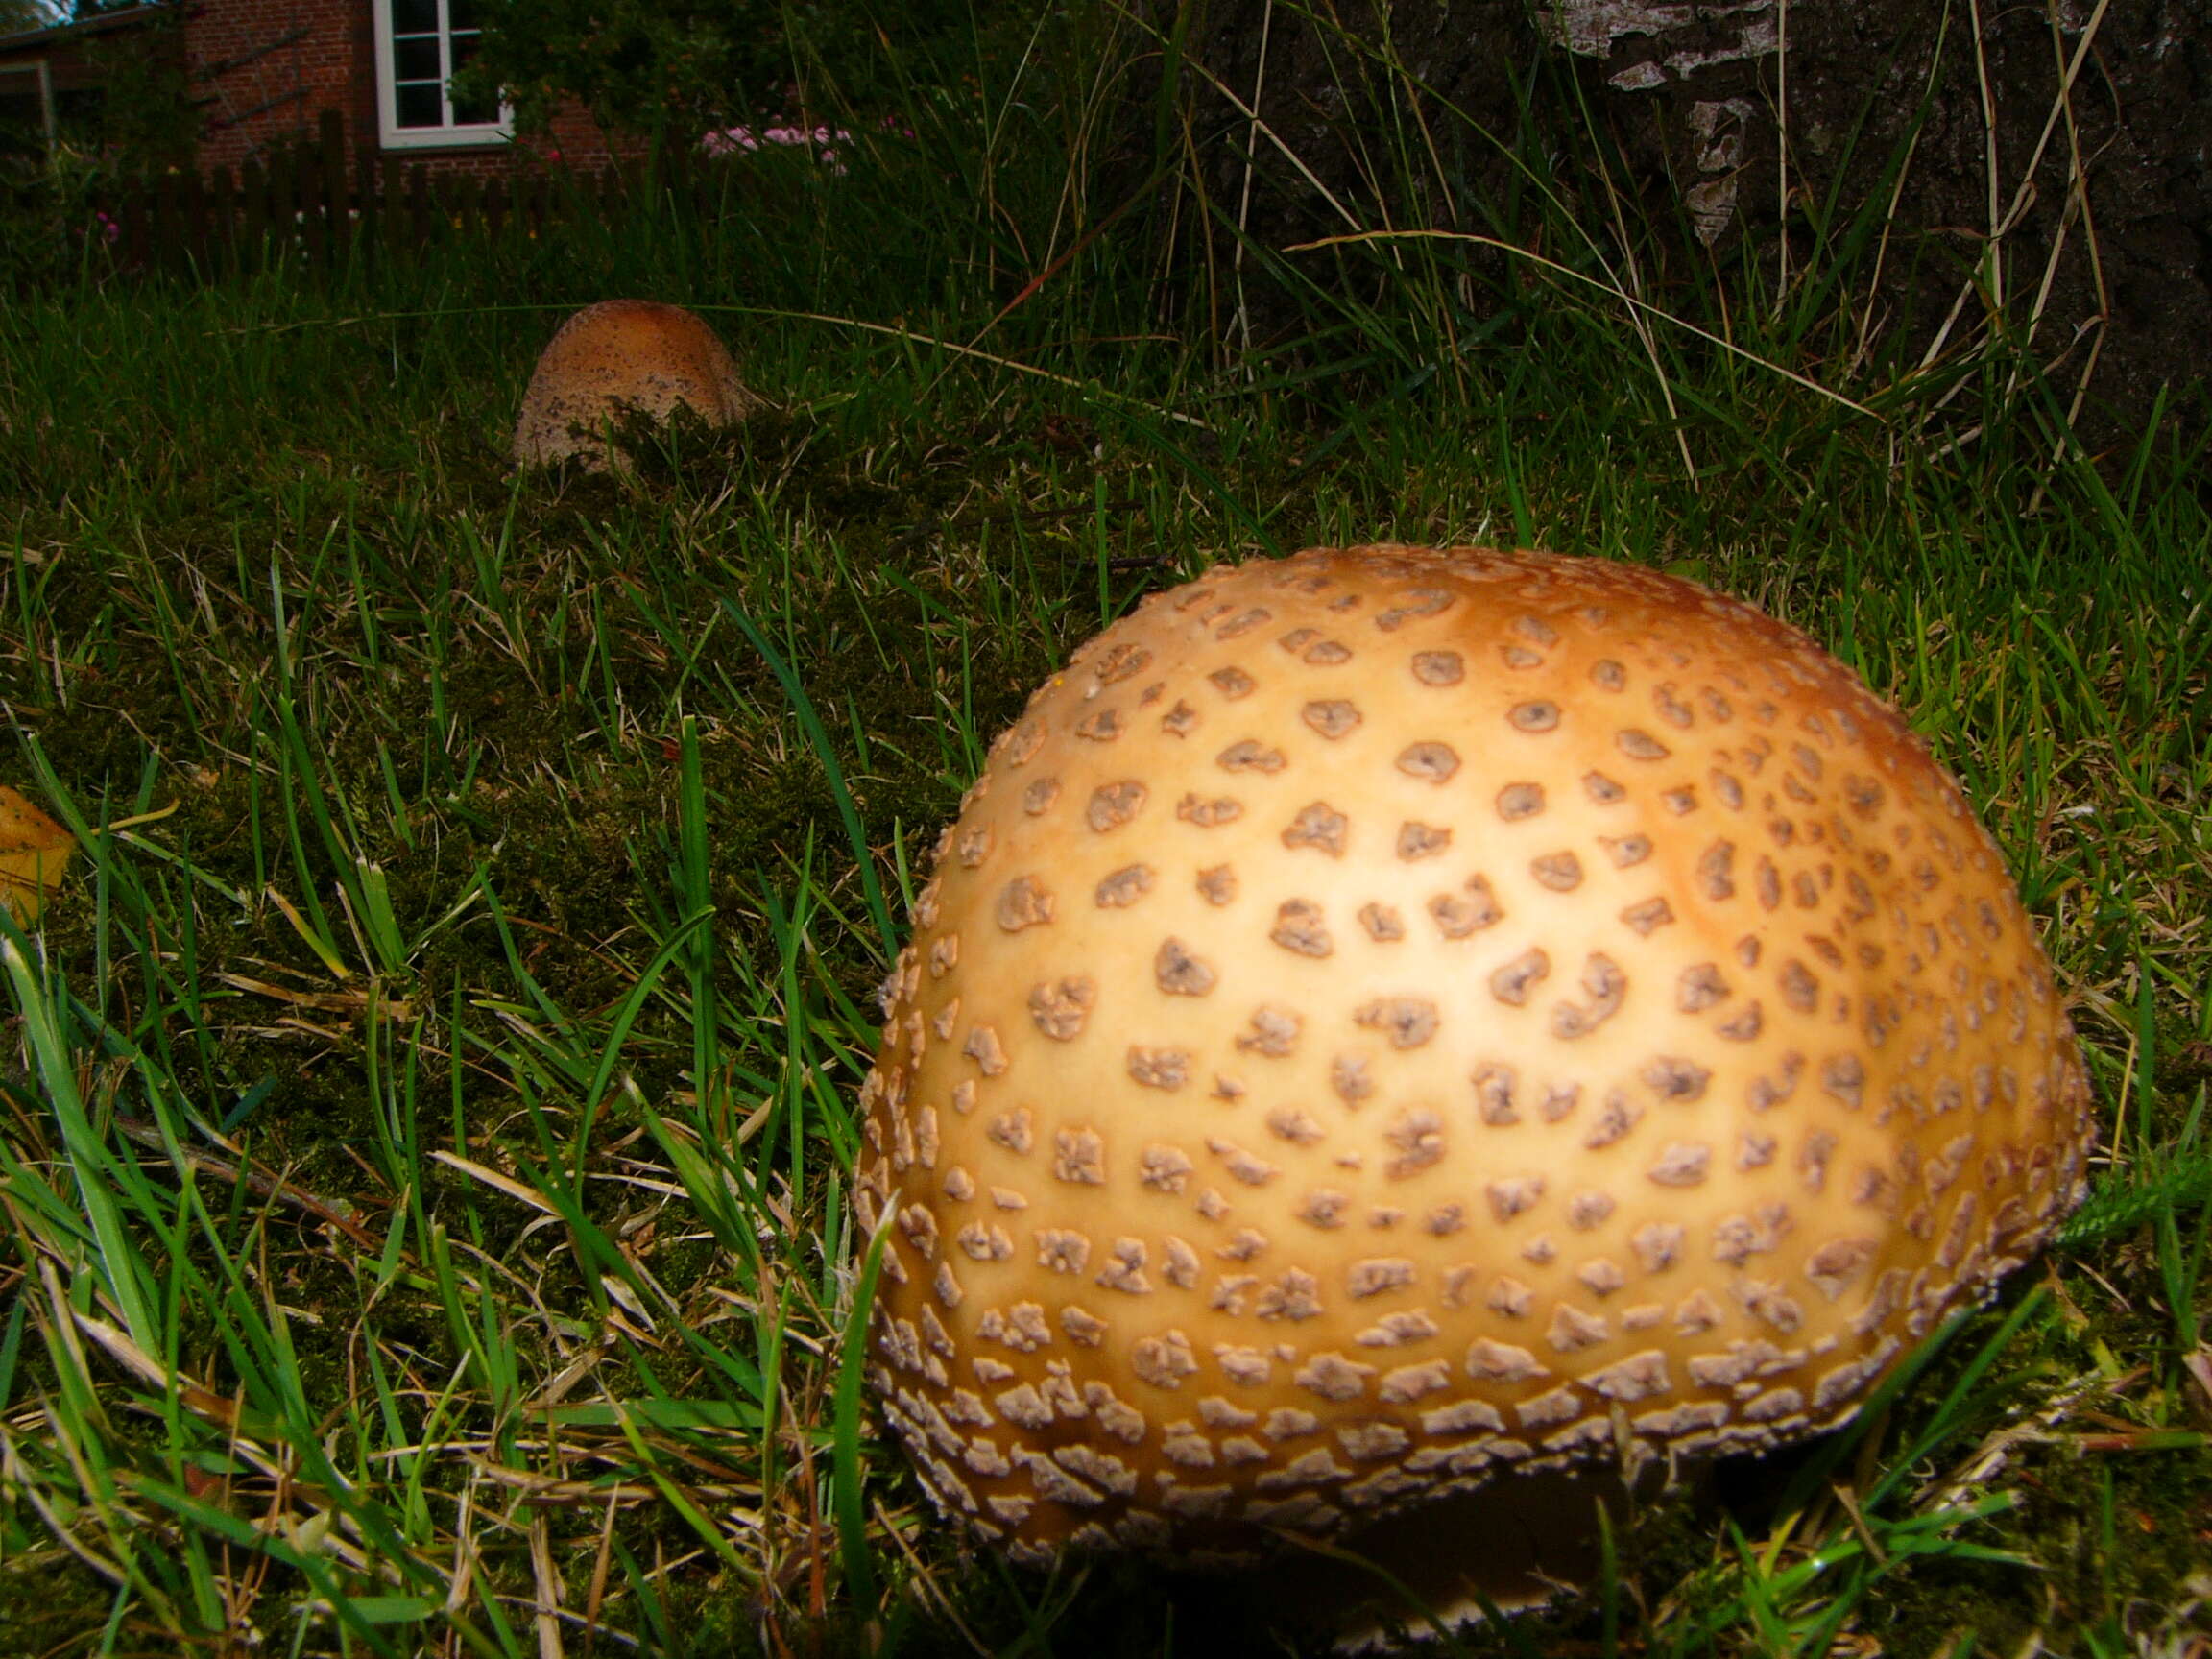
[[1389, 1021], [617, 358]]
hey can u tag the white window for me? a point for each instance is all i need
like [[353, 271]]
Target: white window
[[419, 45]]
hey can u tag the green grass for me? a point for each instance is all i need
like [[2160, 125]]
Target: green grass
[[426, 1115]]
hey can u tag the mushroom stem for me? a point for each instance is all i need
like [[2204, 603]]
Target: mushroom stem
[[1507, 1549]]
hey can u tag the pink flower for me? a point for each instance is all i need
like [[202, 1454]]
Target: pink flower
[[732, 140]]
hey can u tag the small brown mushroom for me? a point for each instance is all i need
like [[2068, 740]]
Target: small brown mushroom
[[1389, 1021], [620, 357], [34, 852]]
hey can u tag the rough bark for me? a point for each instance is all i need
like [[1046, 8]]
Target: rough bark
[[2077, 135]]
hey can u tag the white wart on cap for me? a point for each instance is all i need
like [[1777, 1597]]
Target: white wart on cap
[[618, 357], [1385, 1019]]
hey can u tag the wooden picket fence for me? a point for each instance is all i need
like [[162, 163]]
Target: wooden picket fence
[[317, 206]]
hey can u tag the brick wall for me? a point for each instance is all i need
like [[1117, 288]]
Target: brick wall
[[267, 69]]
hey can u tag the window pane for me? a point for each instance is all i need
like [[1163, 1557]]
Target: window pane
[[463, 15], [471, 111], [414, 16], [416, 60], [421, 105]]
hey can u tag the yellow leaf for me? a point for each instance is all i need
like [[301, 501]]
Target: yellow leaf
[[34, 850]]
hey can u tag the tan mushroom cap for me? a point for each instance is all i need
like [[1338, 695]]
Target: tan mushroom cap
[[1387, 1016], [617, 356]]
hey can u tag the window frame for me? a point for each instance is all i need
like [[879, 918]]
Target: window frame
[[450, 134]]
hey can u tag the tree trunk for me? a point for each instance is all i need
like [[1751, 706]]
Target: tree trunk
[[2036, 173]]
